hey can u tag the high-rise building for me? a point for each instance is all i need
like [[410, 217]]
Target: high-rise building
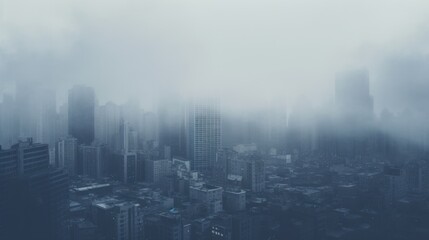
[[155, 170], [108, 124], [252, 170], [234, 200], [8, 124], [171, 118], [94, 159], [394, 184], [81, 114], [167, 226], [208, 195], [203, 134], [34, 200], [66, 154], [149, 127], [46, 113], [126, 167], [118, 220], [222, 166]]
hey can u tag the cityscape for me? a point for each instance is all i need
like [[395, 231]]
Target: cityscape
[[344, 158]]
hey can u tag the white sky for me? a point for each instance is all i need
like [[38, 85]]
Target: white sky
[[251, 51]]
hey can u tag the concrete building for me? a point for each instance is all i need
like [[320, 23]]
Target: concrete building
[[66, 154], [34, 197], [208, 195], [81, 114], [156, 170], [234, 200], [118, 220], [94, 159], [203, 134]]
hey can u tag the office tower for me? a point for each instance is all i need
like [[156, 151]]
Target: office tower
[[81, 107], [149, 127], [8, 121], [394, 184], [62, 122], [203, 134], [94, 159], [252, 170], [108, 124], [234, 200], [131, 113], [26, 108], [46, 114], [133, 141], [171, 118], [126, 167], [66, 154], [222, 166], [118, 220], [208, 195], [123, 137], [352, 95], [34, 200], [156, 170], [166, 226]]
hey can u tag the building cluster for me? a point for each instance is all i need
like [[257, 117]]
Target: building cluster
[[189, 172]]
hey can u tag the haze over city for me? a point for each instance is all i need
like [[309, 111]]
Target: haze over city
[[275, 49], [214, 120]]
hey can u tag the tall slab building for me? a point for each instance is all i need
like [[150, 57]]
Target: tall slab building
[[203, 133], [81, 111]]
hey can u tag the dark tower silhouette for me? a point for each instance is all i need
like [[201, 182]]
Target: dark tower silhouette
[[81, 102]]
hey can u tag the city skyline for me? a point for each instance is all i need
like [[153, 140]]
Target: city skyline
[[214, 120]]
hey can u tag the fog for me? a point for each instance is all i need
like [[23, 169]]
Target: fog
[[250, 52]]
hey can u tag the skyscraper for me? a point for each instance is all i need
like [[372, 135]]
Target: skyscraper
[[81, 103], [203, 133], [33, 201], [8, 124], [94, 159], [66, 154], [118, 220]]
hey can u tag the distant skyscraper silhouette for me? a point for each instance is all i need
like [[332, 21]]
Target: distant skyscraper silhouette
[[203, 133], [81, 103]]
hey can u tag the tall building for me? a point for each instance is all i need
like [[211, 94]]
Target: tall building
[[94, 159], [118, 220], [8, 124], [167, 226], [126, 167], [81, 114], [222, 166], [171, 118], [149, 126], [66, 154], [108, 124], [34, 200], [234, 200], [46, 114], [156, 170], [203, 134], [394, 184], [208, 195], [252, 169]]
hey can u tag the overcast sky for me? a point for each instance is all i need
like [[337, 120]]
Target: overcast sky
[[253, 52]]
